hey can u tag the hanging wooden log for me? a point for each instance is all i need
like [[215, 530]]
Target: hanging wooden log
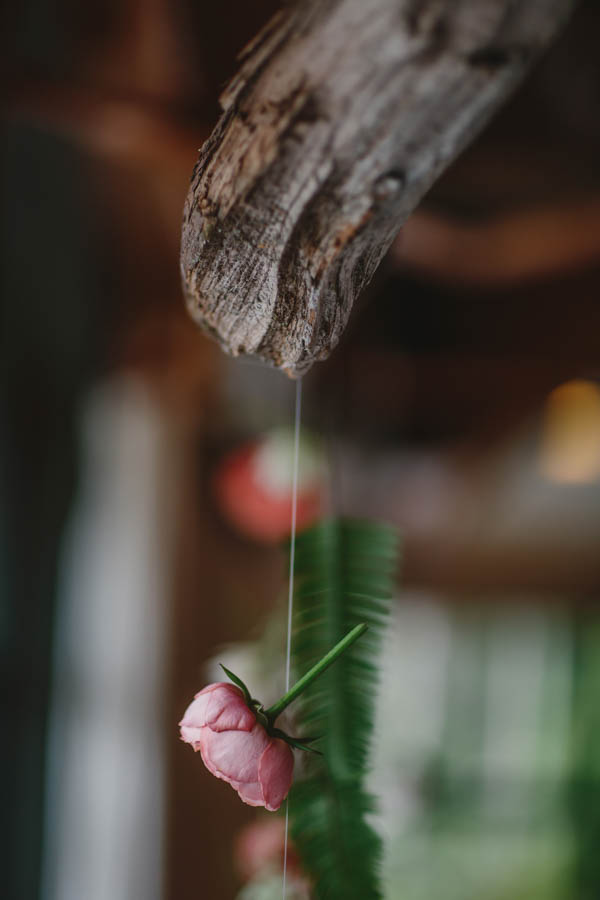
[[342, 115]]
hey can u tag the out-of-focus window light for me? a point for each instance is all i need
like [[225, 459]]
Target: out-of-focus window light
[[105, 802], [570, 449]]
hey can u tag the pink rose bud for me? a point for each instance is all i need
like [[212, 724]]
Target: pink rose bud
[[236, 748]]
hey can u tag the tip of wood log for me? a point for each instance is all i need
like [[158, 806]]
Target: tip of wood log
[[342, 116]]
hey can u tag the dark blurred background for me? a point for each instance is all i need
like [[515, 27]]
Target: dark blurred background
[[463, 404]]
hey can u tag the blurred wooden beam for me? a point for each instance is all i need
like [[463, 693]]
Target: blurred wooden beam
[[139, 131], [507, 250]]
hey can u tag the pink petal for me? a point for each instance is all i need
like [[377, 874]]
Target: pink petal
[[251, 794], [227, 710], [275, 769], [195, 714], [233, 755], [190, 734]]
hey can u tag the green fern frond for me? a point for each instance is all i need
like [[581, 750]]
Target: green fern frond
[[345, 574]]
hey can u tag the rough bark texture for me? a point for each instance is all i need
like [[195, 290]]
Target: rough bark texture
[[342, 115]]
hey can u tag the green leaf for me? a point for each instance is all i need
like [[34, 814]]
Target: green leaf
[[345, 573]]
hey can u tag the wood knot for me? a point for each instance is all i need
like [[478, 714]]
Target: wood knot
[[427, 18], [389, 186], [209, 210], [494, 57]]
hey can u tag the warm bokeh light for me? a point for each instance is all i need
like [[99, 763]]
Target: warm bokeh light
[[570, 451]]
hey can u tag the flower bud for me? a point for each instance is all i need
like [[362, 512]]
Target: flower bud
[[236, 748]]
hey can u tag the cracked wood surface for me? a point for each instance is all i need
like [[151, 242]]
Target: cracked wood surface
[[342, 115]]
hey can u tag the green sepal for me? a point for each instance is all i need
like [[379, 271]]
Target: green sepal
[[299, 746], [240, 684], [298, 743], [259, 712]]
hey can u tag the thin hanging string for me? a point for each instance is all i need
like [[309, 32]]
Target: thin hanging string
[[297, 414], [288, 651]]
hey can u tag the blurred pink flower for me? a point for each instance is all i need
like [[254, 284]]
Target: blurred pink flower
[[253, 487], [236, 748], [260, 845]]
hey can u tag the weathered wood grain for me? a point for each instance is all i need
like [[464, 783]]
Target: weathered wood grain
[[342, 115]]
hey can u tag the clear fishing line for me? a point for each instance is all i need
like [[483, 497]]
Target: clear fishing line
[[288, 651]]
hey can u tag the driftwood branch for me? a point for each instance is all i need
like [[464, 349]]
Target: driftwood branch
[[342, 115]]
